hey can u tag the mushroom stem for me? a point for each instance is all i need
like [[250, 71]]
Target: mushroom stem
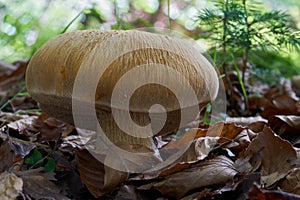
[[118, 136]]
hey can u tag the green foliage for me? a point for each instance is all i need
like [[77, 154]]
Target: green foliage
[[50, 165], [243, 25], [206, 119], [35, 158], [240, 27]]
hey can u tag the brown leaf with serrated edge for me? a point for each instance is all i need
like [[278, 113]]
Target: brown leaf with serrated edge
[[215, 171], [273, 153], [98, 178], [291, 182]]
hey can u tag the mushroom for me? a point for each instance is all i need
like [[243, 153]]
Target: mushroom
[[168, 64]]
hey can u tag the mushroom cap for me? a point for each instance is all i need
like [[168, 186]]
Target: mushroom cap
[[168, 64]]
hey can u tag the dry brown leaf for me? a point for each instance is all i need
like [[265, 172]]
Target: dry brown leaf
[[257, 127], [39, 185], [6, 68], [6, 156], [288, 89], [273, 154], [244, 121], [287, 126], [204, 194], [291, 182], [98, 178], [184, 141], [211, 172], [240, 186], [227, 131], [22, 124], [12, 77], [281, 105], [174, 168], [127, 192], [199, 149], [6, 117], [41, 128], [10, 186], [50, 128], [295, 84], [259, 194]]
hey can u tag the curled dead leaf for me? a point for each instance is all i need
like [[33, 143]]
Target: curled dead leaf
[[272, 154], [98, 178], [215, 171], [291, 182], [287, 126], [281, 105]]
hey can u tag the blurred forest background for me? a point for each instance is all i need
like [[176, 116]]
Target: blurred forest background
[[259, 43], [26, 25]]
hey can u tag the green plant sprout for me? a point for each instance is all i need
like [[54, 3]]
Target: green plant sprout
[[241, 27]]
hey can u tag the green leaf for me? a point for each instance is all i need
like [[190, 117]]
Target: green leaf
[[34, 158], [50, 165]]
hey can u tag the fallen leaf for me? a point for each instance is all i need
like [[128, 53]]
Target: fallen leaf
[[287, 126], [239, 187], [177, 167], [6, 68], [11, 77], [281, 105], [288, 89], [6, 156], [10, 186], [98, 178], [50, 129], [204, 194], [127, 192], [244, 121], [41, 128], [6, 117], [199, 149], [39, 185], [273, 154], [291, 182], [215, 171], [259, 194], [22, 124], [226, 131]]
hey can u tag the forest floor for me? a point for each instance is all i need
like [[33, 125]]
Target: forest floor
[[253, 157]]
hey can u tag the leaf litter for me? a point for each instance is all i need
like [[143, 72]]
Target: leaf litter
[[253, 157]]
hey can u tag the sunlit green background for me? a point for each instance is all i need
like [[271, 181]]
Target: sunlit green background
[[26, 24]]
